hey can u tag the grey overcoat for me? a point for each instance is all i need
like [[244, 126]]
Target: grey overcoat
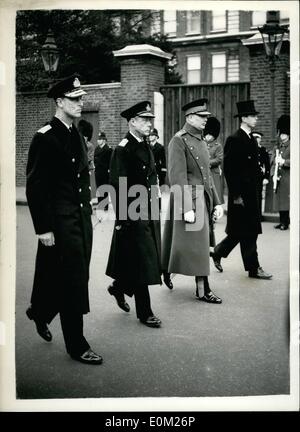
[[185, 247]]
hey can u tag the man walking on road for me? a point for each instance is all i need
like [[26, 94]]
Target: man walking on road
[[58, 194], [242, 174], [134, 259]]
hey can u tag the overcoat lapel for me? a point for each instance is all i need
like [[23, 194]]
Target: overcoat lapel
[[137, 149]]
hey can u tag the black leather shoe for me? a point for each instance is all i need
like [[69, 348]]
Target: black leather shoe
[[211, 298], [151, 321], [217, 261], [119, 298], [167, 280], [284, 227], [277, 226], [89, 357], [259, 274], [41, 327]]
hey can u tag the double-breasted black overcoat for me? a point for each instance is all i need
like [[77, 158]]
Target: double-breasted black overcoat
[[134, 256], [160, 161], [58, 194], [242, 175], [102, 156]]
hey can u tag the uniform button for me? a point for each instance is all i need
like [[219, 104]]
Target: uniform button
[[144, 166], [78, 175], [191, 148], [204, 178], [197, 157], [73, 160], [150, 199], [81, 205], [90, 173], [249, 157], [80, 190], [201, 167], [90, 188]]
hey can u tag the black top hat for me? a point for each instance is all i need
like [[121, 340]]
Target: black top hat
[[86, 128], [212, 127], [102, 135], [245, 108], [141, 109], [154, 132], [283, 124], [198, 106], [68, 87]]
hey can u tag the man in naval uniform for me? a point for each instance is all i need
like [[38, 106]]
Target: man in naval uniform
[[58, 194], [134, 259]]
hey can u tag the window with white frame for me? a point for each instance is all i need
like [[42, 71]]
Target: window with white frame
[[218, 67], [170, 23], [155, 23], [258, 18], [193, 23], [219, 21], [193, 69]]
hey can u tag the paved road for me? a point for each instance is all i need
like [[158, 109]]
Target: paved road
[[234, 349]]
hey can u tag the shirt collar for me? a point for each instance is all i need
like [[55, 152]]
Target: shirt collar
[[67, 126], [137, 138], [247, 132]]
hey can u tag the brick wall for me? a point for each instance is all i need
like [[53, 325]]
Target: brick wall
[[260, 78], [140, 77], [105, 99], [33, 110]]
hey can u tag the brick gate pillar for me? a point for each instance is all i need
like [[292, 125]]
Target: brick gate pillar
[[260, 92], [142, 74]]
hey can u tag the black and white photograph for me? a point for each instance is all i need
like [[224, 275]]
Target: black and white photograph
[[149, 206]]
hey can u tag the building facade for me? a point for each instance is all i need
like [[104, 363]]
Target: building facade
[[209, 44]]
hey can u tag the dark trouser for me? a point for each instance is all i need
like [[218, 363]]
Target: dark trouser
[[248, 250], [141, 297], [284, 217], [142, 302], [260, 190], [72, 327]]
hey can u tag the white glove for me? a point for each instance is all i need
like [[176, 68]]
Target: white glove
[[47, 239], [265, 181], [280, 160], [189, 216], [218, 212]]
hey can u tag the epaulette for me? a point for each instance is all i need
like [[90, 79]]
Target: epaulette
[[181, 132], [123, 142], [45, 129]]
